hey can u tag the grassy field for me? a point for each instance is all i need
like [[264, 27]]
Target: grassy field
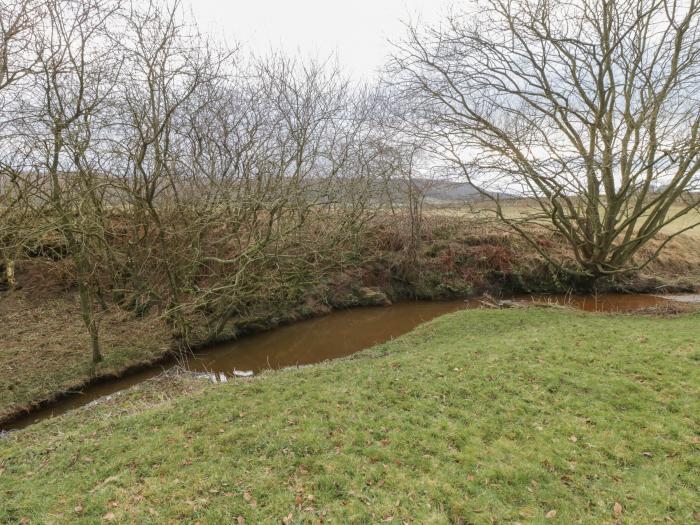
[[516, 207], [684, 222], [510, 416]]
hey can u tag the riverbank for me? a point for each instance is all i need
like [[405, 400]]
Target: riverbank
[[45, 344], [523, 415]]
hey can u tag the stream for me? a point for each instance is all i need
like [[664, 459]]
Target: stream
[[337, 334]]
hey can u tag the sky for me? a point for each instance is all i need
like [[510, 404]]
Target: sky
[[356, 31]]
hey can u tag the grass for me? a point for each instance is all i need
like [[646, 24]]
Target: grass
[[45, 349], [686, 221], [517, 207], [512, 416]]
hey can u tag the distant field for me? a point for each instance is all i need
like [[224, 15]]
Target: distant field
[[686, 221], [514, 208]]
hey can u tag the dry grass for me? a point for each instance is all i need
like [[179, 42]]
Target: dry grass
[[517, 207], [684, 222], [45, 347], [678, 264]]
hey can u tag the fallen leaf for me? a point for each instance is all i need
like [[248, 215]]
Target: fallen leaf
[[551, 514], [78, 508], [388, 519], [617, 508], [573, 439], [298, 500], [240, 520], [288, 519], [109, 516]]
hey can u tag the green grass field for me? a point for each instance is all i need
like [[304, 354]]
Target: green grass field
[[510, 416]]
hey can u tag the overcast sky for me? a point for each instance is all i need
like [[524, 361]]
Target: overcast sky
[[355, 30]]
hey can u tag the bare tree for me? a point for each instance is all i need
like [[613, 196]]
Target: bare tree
[[75, 73], [174, 178], [591, 109], [17, 26], [17, 58], [269, 160]]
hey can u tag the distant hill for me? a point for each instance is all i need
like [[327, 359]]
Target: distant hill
[[443, 190]]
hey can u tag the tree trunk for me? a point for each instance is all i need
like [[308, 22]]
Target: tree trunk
[[89, 320], [10, 273]]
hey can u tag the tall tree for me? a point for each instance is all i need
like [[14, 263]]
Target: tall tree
[[590, 108]]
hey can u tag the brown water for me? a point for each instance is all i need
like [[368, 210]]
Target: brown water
[[334, 335], [610, 302]]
